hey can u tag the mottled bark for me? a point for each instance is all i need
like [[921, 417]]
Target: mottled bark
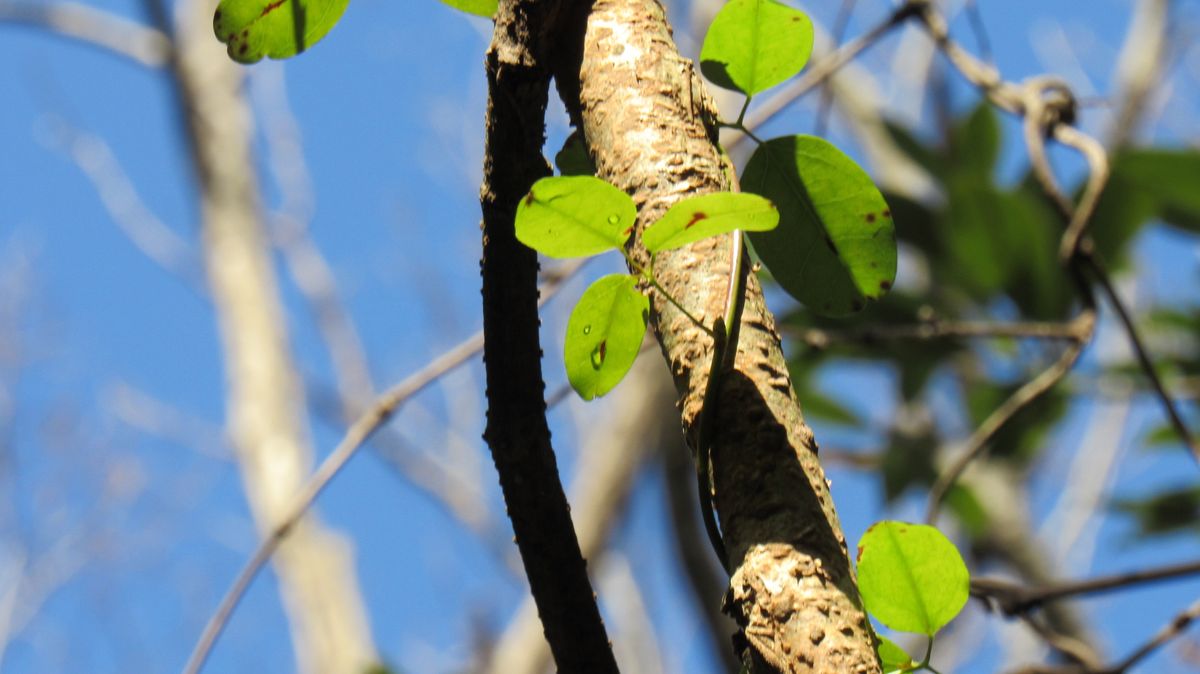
[[517, 434], [651, 131], [266, 418]]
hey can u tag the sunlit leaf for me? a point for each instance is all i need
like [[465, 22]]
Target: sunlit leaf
[[699, 217], [604, 334], [253, 29], [911, 577], [752, 45], [479, 7], [574, 216], [835, 246], [893, 658]]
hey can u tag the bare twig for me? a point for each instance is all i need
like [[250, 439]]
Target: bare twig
[[1169, 631], [129, 212], [820, 71], [1143, 357], [819, 338], [1019, 400], [368, 422], [379, 412], [840, 24], [97, 28], [1012, 598]]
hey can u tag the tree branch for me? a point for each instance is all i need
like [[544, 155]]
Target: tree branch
[[1012, 598], [93, 27], [358, 433], [650, 126], [518, 75]]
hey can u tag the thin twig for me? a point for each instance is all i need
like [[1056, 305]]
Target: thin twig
[[120, 198], [93, 27], [819, 338], [379, 413], [840, 24], [1169, 631], [820, 71], [1143, 357], [1013, 598], [1023, 397]]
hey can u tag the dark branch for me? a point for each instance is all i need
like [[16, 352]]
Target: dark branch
[[518, 75]]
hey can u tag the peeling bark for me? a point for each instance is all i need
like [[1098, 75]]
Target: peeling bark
[[650, 126]]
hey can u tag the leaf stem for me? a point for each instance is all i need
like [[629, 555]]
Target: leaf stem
[[925, 660], [648, 275], [742, 115]]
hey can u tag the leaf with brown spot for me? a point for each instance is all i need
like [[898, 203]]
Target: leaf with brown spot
[[278, 29], [697, 218]]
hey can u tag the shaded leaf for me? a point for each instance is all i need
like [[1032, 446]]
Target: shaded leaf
[[573, 158], [967, 509], [752, 45], [1170, 178], [485, 8], [1025, 434], [928, 158], [253, 29], [911, 577], [908, 461], [916, 223], [1169, 511], [604, 334], [699, 217], [975, 140], [835, 245], [1124, 207], [574, 216]]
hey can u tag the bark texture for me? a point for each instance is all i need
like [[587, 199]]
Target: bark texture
[[651, 131], [265, 403], [608, 468], [517, 434]]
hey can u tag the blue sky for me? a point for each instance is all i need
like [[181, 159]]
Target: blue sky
[[390, 108]]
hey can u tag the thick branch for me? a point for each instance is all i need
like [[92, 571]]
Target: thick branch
[[650, 128], [518, 82]]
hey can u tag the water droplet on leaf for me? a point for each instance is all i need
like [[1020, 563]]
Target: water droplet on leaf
[[587, 329], [614, 219]]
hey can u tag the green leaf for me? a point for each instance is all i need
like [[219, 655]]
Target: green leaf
[[911, 577], [1172, 510], [485, 8], [835, 246], [574, 216], [752, 45], [252, 29], [975, 140], [699, 217], [573, 159], [1170, 177], [927, 157], [604, 334], [892, 657]]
